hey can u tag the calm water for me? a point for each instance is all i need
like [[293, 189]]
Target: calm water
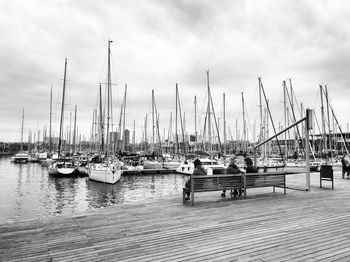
[[27, 191]]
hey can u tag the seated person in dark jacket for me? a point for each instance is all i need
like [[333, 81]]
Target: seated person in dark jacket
[[249, 166], [198, 171], [345, 166], [232, 169]]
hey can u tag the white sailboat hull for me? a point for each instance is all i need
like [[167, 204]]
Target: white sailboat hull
[[104, 173], [147, 164], [61, 170]]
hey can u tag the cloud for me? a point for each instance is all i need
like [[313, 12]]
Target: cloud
[[160, 43]]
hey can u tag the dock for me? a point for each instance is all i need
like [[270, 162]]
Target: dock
[[299, 226], [148, 171]]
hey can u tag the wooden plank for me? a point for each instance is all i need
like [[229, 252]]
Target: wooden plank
[[300, 226]]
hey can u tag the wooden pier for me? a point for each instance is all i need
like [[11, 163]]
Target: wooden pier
[[298, 226]]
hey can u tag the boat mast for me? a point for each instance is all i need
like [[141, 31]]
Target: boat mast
[[170, 130], [50, 120], [176, 113], [261, 113], [152, 146], [108, 94], [285, 119], [22, 130], [195, 123], [224, 104], [181, 123], [75, 128], [124, 107], [328, 121], [62, 108], [102, 131], [244, 125], [133, 138], [209, 124], [146, 138]]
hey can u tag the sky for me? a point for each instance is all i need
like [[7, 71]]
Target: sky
[[157, 44]]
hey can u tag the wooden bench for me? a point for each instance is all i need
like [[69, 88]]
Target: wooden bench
[[213, 183], [255, 180]]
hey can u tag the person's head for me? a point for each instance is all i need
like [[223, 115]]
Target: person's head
[[197, 162], [248, 161]]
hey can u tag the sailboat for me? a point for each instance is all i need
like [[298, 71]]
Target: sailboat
[[106, 171], [21, 157], [62, 167]]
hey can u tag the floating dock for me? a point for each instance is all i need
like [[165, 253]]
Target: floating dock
[[298, 226], [148, 171]]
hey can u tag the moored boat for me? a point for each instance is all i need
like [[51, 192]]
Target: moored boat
[[20, 158], [62, 168]]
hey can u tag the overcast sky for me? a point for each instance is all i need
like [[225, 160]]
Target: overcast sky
[[157, 44]]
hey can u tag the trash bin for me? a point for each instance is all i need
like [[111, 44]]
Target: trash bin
[[326, 174]]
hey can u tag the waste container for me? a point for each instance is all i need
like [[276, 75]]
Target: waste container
[[326, 174]]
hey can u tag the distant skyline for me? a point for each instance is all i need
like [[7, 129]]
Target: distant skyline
[[157, 44]]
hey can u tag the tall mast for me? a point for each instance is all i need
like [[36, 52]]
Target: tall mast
[[285, 117], [133, 138], [50, 120], [209, 124], [62, 108], [170, 129], [181, 123], [124, 107], [75, 127], [92, 129], [152, 146], [108, 94], [261, 113], [328, 119], [70, 132], [195, 122], [146, 138], [224, 102], [244, 124], [296, 144], [176, 113], [22, 130], [102, 130]]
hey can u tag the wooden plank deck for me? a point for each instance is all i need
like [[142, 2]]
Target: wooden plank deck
[[298, 226]]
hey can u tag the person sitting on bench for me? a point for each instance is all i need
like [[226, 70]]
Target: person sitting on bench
[[249, 166], [198, 171], [345, 165], [232, 169]]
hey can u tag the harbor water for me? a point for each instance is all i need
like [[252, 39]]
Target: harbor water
[[27, 191]]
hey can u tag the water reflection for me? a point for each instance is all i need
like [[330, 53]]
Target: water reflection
[[27, 191]]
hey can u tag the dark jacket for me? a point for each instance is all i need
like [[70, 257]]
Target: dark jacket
[[232, 169], [199, 171], [251, 169]]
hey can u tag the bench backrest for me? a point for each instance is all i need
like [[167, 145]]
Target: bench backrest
[[215, 182], [264, 179]]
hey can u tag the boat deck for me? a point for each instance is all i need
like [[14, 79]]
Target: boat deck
[[298, 226]]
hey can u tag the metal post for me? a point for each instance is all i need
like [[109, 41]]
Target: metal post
[[308, 126]]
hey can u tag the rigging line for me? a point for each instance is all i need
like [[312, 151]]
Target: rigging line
[[273, 125], [294, 119], [250, 126], [336, 120]]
